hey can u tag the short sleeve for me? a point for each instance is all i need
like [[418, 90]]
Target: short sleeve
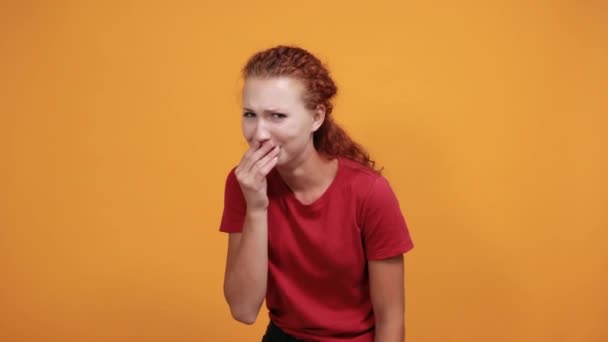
[[235, 206], [384, 229]]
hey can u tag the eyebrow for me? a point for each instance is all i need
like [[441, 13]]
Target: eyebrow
[[272, 110]]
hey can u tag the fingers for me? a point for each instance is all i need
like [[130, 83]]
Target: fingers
[[253, 155], [268, 167], [252, 148], [263, 166]]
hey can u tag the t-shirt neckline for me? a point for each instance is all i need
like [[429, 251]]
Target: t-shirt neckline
[[319, 201]]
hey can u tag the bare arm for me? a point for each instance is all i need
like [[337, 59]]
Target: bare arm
[[246, 274], [247, 268], [388, 298]]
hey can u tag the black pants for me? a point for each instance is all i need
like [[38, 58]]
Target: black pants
[[275, 334]]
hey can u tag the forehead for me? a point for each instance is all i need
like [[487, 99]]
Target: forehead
[[275, 92]]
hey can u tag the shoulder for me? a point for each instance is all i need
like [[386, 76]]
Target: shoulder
[[231, 183], [368, 186], [231, 175], [360, 178]]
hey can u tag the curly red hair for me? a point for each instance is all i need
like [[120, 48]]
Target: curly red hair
[[330, 139]]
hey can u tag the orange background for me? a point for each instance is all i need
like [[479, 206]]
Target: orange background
[[119, 121]]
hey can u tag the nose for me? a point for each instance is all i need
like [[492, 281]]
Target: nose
[[261, 132]]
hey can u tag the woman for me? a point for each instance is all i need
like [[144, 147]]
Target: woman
[[314, 228]]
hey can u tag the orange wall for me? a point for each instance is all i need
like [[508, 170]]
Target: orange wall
[[118, 123]]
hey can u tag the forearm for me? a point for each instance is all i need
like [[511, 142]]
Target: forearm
[[246, 277], [390, 329]]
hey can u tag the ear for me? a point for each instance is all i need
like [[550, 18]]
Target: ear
[[318, 117]]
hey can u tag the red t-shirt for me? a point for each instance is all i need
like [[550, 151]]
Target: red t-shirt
[[318, 285]]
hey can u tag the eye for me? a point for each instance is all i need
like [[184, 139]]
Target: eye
[[249, 114], [278, 115]]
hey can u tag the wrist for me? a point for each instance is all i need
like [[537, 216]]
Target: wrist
[[257, 212]]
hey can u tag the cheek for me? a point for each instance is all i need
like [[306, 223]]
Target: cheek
[[285, 136], [291, 141], [248, 131], [293, 131]]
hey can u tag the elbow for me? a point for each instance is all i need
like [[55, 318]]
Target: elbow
[[243, 314], [244, 309], [244, 317]]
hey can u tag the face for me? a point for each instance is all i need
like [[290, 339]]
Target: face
[[274, 110]]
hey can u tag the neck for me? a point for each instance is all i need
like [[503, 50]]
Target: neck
[[309, 172]]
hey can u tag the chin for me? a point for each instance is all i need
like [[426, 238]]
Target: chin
[[283, 160]]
